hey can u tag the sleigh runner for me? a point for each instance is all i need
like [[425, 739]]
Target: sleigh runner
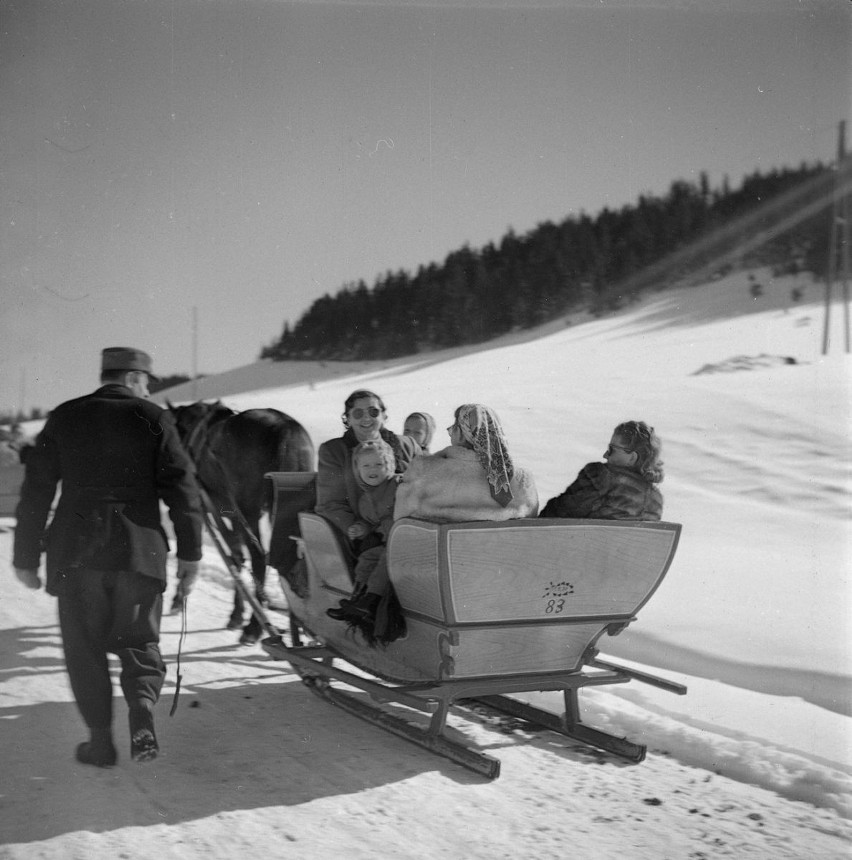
[[490, 609]]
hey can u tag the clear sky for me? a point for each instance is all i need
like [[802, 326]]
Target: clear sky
[[244, 157]]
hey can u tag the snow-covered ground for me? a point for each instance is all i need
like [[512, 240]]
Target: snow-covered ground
[[755, 761]]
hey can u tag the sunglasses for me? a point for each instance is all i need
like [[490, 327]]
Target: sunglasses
[[359, 413], [610, 449]]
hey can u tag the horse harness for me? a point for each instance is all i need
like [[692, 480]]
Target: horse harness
[[196, 455]]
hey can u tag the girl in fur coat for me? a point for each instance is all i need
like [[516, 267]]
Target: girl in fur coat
[[473, 479], [623, 488]]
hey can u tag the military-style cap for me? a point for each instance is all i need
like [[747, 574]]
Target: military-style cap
[[126, 358]]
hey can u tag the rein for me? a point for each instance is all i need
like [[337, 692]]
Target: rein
[[203, 422]]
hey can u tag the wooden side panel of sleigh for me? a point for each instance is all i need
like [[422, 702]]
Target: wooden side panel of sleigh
[[419, 656]]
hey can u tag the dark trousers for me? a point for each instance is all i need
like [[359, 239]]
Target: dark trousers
[[371, 570], [102, 611]]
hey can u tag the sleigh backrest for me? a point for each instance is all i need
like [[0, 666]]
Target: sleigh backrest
[[526, 570], [532, 570], [522, 599], [287, 494]]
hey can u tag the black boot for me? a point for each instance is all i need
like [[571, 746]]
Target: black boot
[[99, 751], [362, 610], [143, 741], [336, 612]]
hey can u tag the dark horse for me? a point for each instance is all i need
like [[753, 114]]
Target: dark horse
[[232, 451]]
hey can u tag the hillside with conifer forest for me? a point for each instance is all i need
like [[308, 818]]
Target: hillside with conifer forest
[[583, 264]]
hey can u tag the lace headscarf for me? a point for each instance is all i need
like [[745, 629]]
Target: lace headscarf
[[481, 430]]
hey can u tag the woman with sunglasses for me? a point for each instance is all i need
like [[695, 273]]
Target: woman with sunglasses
[[623, 488], [473, 479], [338, 491]]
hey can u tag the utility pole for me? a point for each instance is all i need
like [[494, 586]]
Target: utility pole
[[23, 397], [839, 240], [195, 352]]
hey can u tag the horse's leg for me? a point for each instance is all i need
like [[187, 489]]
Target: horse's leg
[[295, 631], [258, 572], [235, 622], [254, 629]]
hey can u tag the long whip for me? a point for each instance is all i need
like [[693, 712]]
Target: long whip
[[181, 639]]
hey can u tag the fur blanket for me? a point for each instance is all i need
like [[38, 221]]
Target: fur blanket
[[451, 487]]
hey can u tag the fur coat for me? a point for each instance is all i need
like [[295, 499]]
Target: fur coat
[[451, 486], [607, 492]]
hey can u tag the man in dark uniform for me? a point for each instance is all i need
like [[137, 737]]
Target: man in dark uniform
[[116, 455]]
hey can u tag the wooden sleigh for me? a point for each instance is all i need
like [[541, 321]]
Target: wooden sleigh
[[491, 609]]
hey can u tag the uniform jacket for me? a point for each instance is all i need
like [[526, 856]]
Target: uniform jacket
[[451, 486], [607, 492], [338, 493], [116, 455]]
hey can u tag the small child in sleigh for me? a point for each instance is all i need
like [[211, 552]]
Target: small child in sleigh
[[372, 600]]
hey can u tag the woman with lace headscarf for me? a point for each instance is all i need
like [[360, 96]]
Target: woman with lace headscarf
[[473, 479]]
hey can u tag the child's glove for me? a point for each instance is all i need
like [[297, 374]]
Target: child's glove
[[357, 530]]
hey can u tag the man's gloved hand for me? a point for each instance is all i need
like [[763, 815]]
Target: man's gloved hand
[[28, 577], [187, 574]]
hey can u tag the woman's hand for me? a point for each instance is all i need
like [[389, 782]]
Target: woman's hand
[[356, 530]]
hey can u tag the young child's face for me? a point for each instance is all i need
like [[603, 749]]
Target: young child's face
[[373, 469], [417, 429], [618, 454]]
